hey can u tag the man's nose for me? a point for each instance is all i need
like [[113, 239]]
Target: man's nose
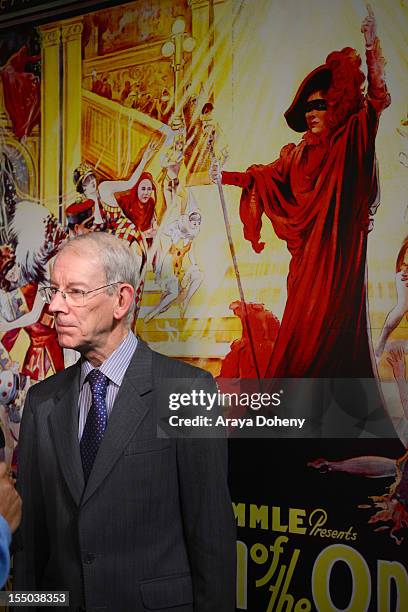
[[58, 303]]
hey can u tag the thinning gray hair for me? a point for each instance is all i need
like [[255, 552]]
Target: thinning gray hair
[[117, 259]]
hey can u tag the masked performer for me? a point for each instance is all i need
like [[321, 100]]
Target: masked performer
[[319, 196]]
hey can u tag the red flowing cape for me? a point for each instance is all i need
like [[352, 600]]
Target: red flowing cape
[[317, 196]]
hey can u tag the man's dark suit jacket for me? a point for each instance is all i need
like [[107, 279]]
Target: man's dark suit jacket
[[152, 529]]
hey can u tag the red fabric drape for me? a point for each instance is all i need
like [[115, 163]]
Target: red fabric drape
[[317, 196], [21, 92]]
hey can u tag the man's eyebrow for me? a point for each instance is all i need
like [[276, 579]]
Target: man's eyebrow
[[72, 285], [77, 285]]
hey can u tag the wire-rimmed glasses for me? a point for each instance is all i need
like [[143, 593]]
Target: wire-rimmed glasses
[[73, 297]]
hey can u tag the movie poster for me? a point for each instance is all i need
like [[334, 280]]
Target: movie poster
[[192, 129]]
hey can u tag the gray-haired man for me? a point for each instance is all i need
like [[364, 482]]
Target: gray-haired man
[[120, 518]]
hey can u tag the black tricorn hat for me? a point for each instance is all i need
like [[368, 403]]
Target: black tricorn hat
[[319, 79]]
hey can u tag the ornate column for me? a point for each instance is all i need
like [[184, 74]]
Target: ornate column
[[50, 117], [71, 31]]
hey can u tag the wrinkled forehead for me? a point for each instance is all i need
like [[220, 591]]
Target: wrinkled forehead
[[77, 262]]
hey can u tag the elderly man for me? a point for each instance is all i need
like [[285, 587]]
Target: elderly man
[[120, 518]]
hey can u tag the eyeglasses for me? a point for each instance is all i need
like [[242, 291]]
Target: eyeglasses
[[73, 297]]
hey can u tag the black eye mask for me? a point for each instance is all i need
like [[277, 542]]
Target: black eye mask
[[319, 105]]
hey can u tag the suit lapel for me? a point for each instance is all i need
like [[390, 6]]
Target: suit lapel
[[128, 412], [64, 428]]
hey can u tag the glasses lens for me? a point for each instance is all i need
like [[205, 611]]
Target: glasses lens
[[75, 297], [46, 294]]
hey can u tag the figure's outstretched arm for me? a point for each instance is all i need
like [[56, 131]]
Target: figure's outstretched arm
[[377, 91], [29, 318], [239, 179], [369, 466], [107, 189]]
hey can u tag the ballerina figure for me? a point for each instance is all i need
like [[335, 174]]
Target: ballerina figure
[[395, 315]]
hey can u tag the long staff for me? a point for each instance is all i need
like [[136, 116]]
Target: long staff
[[214, 161]]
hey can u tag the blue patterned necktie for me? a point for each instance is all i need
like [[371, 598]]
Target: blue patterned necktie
[[96, 421]]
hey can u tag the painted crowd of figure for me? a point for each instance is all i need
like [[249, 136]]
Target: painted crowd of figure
[[319, 195], [160, 220]]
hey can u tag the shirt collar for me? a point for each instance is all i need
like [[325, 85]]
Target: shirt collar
[[115, 366]]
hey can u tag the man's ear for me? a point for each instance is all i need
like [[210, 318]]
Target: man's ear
[[125, 297]]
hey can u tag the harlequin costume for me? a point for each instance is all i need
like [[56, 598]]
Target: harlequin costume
[[110, 217], [44, 353], [127, 222]]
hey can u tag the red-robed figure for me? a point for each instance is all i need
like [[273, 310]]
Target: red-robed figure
[[319, 196], [21, 92]]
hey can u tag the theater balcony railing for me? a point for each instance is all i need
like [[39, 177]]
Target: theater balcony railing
[[113, 135]]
